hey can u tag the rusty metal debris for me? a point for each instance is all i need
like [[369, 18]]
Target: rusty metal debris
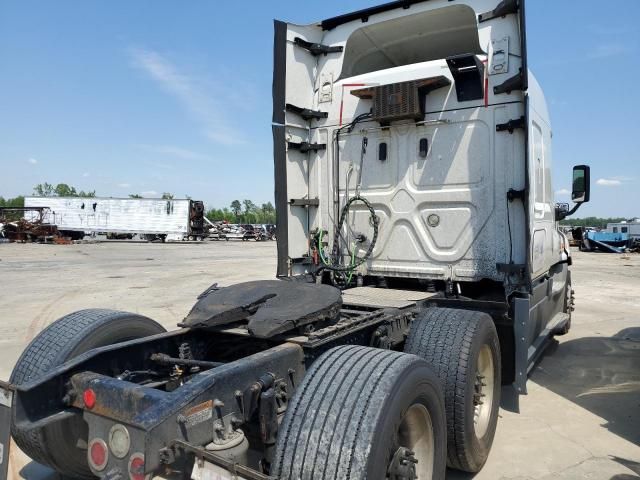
[[15, 228]]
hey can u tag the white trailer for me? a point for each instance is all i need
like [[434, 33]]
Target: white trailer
[[630, 228], [176, 219]]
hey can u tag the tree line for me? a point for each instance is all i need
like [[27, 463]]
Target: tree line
[[595, 222], [237, 212], [244, 212]]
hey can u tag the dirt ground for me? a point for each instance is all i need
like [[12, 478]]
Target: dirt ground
[[580, 420]]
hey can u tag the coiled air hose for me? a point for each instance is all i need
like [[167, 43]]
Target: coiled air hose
[[355, 261]]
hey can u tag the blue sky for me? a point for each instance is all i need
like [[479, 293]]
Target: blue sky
[[160, 96]]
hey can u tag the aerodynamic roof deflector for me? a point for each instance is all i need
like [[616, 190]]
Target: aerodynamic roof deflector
[[364, 14]]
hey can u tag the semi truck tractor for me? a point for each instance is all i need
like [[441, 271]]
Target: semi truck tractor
[[420, 268]]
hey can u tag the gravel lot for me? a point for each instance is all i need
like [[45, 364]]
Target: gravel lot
[[581, 418]]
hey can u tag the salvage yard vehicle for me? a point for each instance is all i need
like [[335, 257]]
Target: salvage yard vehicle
[[420, 267]]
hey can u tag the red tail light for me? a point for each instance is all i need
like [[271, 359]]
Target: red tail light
[[98, 455], [89, 398], [136, 467]]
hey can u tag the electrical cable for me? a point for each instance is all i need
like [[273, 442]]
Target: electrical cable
[[356, 261], [334, 267], [510, 237]]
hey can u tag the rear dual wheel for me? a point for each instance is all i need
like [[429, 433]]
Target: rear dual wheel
[[364, 413], [463, 348]]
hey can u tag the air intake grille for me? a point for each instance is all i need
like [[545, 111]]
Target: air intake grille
[[400, 101], [397, 101]]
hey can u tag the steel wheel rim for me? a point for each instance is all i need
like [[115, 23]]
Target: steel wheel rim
[[483, 392], [415, 433]]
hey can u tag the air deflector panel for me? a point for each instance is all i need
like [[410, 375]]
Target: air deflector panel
[[422, 37]]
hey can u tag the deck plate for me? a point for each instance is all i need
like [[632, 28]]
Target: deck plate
[[383, 297]]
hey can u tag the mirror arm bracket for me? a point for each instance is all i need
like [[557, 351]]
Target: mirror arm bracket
[[570, 212]]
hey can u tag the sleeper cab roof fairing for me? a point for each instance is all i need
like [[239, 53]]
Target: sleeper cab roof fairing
[[414, 38]]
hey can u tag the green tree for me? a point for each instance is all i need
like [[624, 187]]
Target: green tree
[[249, 206], [251, 213], [44, 190], [227, 214], [236, 208], [60, 190], [64, 190], [167, 196], [591, 221], [17, 202], [135, 195], [268, 208]]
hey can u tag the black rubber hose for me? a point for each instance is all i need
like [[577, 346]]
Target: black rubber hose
[[343, 216]]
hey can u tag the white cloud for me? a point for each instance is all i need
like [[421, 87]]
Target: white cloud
[[190, 92], [609, 182], [563, 192], [149, 193], [32, 161], [86, 174], [173, 151], [607, 50], [124, 185]]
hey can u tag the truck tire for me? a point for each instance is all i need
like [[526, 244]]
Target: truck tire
[[358, 411], [57, 444], [463, 348]]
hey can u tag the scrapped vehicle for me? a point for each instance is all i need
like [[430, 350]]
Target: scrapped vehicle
[[420, 266], [239, 232], [261, 233], [15, 228]]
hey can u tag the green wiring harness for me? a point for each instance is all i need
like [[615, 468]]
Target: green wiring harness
[[355, 261]]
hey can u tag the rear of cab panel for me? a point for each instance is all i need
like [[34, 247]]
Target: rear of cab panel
[[443, 215]]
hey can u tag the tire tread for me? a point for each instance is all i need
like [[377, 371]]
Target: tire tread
[[48, 350], [444, 338], [323, 434]]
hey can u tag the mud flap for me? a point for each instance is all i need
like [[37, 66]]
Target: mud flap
[[6, 402], [521, 320]]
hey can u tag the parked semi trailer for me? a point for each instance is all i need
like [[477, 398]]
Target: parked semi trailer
[[420, 267], [119, 217]]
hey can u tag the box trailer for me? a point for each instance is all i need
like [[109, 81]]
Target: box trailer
[[632, 229], [75, 216], [420, 267]]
